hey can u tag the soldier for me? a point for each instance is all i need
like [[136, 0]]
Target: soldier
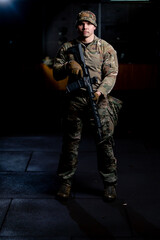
[[101, 59]]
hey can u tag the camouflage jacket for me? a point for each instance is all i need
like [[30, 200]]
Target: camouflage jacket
[[101, 59]]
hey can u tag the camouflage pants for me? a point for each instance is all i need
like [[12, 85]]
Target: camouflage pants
[[78, 111]]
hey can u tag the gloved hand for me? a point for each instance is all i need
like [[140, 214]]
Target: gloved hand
[[74, 68], [96, 96]]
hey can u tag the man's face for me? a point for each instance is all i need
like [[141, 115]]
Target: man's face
[[85, 29]]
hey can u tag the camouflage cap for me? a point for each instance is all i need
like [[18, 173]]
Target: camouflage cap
[[86, 16]]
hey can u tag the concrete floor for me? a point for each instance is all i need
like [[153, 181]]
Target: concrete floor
[[30, 211]]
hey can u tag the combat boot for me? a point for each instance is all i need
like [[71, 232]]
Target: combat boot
[[64, 191], [110, 193]]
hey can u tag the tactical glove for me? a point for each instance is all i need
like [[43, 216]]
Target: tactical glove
[[96, 97], [73, 68]]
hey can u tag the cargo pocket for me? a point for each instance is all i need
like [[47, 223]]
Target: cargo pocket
[[114, 108]]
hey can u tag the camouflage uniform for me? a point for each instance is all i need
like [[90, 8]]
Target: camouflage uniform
[[101, 59]]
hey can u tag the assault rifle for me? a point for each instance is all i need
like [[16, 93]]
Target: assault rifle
[[86, 82]]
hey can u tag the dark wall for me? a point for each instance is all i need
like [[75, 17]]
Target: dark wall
[[32, 30], [132, 28]]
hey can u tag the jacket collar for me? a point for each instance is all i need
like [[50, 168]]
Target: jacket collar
[[94, 40]]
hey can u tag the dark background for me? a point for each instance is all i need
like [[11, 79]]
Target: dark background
[[30, 30]]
